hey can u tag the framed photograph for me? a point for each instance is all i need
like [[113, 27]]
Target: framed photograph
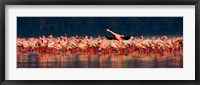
[[106, 41]]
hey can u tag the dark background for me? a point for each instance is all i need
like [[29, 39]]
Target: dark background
[[94, 26]]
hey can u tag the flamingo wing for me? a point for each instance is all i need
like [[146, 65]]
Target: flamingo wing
[[110, 37], [126, 37]]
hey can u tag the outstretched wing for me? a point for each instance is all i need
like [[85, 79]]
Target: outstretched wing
[[110, 37], [126, 37]]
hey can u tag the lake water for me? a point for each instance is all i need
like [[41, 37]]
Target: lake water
[[35, 60], [94, 26]]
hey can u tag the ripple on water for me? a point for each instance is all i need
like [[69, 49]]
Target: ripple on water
[[35, 60]]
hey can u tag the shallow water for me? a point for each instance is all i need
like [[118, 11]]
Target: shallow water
[[35, 60]]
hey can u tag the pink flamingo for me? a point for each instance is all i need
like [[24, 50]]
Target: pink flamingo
[[83, 45], [104, 45], [118, 36]]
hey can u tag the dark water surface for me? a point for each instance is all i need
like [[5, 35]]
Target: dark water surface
[[94, 26], [33, 60]]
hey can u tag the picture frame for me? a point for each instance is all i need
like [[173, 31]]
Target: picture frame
[[98, 2]]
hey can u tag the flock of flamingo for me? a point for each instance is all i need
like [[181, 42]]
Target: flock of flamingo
[[118, 44]]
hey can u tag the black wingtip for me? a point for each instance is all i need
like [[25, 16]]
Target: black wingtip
[[110, 37], [126, 37]]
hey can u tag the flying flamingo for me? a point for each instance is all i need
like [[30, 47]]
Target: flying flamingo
[[117, 36]]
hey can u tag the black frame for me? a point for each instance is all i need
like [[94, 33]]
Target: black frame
[[99, 2]]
